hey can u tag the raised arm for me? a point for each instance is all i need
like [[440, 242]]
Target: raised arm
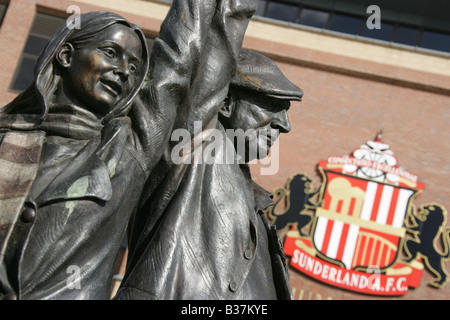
[[191, 65], [175, 57], [195, 56], [219, 59]]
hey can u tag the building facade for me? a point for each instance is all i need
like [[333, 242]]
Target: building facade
[[359, 80]]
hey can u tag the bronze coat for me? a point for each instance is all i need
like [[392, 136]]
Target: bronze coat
[[209, 241]]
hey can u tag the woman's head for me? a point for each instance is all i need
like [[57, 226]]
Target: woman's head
[[101, 71], [100, 66]]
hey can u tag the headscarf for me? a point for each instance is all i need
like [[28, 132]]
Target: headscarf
[[32, 109]]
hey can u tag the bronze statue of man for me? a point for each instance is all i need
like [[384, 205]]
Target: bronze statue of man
[[257, 104], [208, 237]]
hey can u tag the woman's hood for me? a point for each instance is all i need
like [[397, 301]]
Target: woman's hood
[[47, 77]]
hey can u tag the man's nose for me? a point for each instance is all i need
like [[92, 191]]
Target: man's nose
[[281, 122]]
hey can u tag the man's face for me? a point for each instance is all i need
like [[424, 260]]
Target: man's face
[[262, 118], [106, 69]]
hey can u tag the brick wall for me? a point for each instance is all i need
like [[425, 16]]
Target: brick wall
[[337, 115], [347, 101]]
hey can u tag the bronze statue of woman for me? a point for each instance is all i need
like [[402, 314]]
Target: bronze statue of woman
[[77, 162]]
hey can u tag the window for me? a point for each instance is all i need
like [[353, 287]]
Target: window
[[2, 12], [261, 8], [436, 41], [385, 33], [43, 28], [346, 24], [407, 35], [313, 18], [24, 75], [282, 11], [323, 15]]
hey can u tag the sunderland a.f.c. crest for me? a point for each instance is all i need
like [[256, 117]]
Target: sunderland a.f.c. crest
[[365, 234]]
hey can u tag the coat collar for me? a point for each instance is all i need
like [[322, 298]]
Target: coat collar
[[85, 176], [263, 198], [89, 173]]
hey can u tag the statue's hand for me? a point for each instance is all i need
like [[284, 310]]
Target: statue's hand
[[239, 8]]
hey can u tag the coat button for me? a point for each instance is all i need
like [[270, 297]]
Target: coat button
[[28, 215], [248, 254], [233, 286]]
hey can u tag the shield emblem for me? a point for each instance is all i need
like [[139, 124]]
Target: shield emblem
[[363, 212], [360, 222]]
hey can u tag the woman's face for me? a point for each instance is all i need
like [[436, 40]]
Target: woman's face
[[105, 70]]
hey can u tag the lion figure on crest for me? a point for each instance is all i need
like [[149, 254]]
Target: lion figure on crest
[[429, 227], [298, 196]]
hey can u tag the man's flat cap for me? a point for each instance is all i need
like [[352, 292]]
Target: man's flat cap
[[259, 73]]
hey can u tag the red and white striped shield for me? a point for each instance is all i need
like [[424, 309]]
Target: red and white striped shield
[[360, 221]]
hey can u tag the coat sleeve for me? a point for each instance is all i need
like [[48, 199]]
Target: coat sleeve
[[195, 56], [219, 60], [175, 57]]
